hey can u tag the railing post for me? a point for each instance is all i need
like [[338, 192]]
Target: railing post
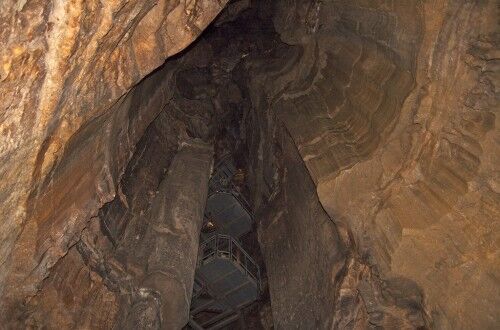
[[216, 248]]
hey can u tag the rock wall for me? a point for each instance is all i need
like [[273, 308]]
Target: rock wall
[[424, 206], [316, 277], [67, 130], [59, 303], [110, 259], [302, 250], [393, 109], [391, 105], [134, 271], [73, 297], [85, 178]]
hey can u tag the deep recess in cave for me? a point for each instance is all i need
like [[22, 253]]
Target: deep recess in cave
[[363, 135]]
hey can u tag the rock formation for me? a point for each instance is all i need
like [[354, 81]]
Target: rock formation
[[171, 241], [72, 112], [368, 130], [392, 107]]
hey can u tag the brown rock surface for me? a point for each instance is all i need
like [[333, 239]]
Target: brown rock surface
[[174, 225], [72, 297], [393, 107], [302, 250], [369, 129], [67, 130]]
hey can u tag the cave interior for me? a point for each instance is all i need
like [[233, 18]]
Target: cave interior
[[298, 164]]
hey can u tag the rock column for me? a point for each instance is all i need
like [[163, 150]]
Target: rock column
[[175, 218]]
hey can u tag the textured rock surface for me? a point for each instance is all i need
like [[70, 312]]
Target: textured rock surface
[[174, 224], [66, 130], [301, 248], [122, 261], [316, 278], [74, 296], [70, 287], [394, 109]]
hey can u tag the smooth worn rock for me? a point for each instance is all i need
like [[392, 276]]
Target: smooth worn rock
[[301, 248]]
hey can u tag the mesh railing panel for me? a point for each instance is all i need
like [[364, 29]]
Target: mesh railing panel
[[227, 247]]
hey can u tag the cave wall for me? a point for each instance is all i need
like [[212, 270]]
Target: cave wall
[[133, 259], [393, 108], [422, 207], [301, 248], [316, 277], [117, 250], [140, 181], [110, 259], [86, 177], [72, 297], [67, 128]]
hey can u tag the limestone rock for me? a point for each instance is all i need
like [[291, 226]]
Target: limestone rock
[[66, 128], [369, 130], [393, 107]]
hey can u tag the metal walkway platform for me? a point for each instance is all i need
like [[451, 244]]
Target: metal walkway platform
[[226, 209], [227, 279], [222, 175], [228, 213]]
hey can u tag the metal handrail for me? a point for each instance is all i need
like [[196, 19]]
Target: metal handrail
[[218, 248]]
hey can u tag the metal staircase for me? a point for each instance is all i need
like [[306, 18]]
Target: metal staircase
[[227, 279]]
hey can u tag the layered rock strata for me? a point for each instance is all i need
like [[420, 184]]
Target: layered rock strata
[[393, 109], [387, 109], [67, 127]]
